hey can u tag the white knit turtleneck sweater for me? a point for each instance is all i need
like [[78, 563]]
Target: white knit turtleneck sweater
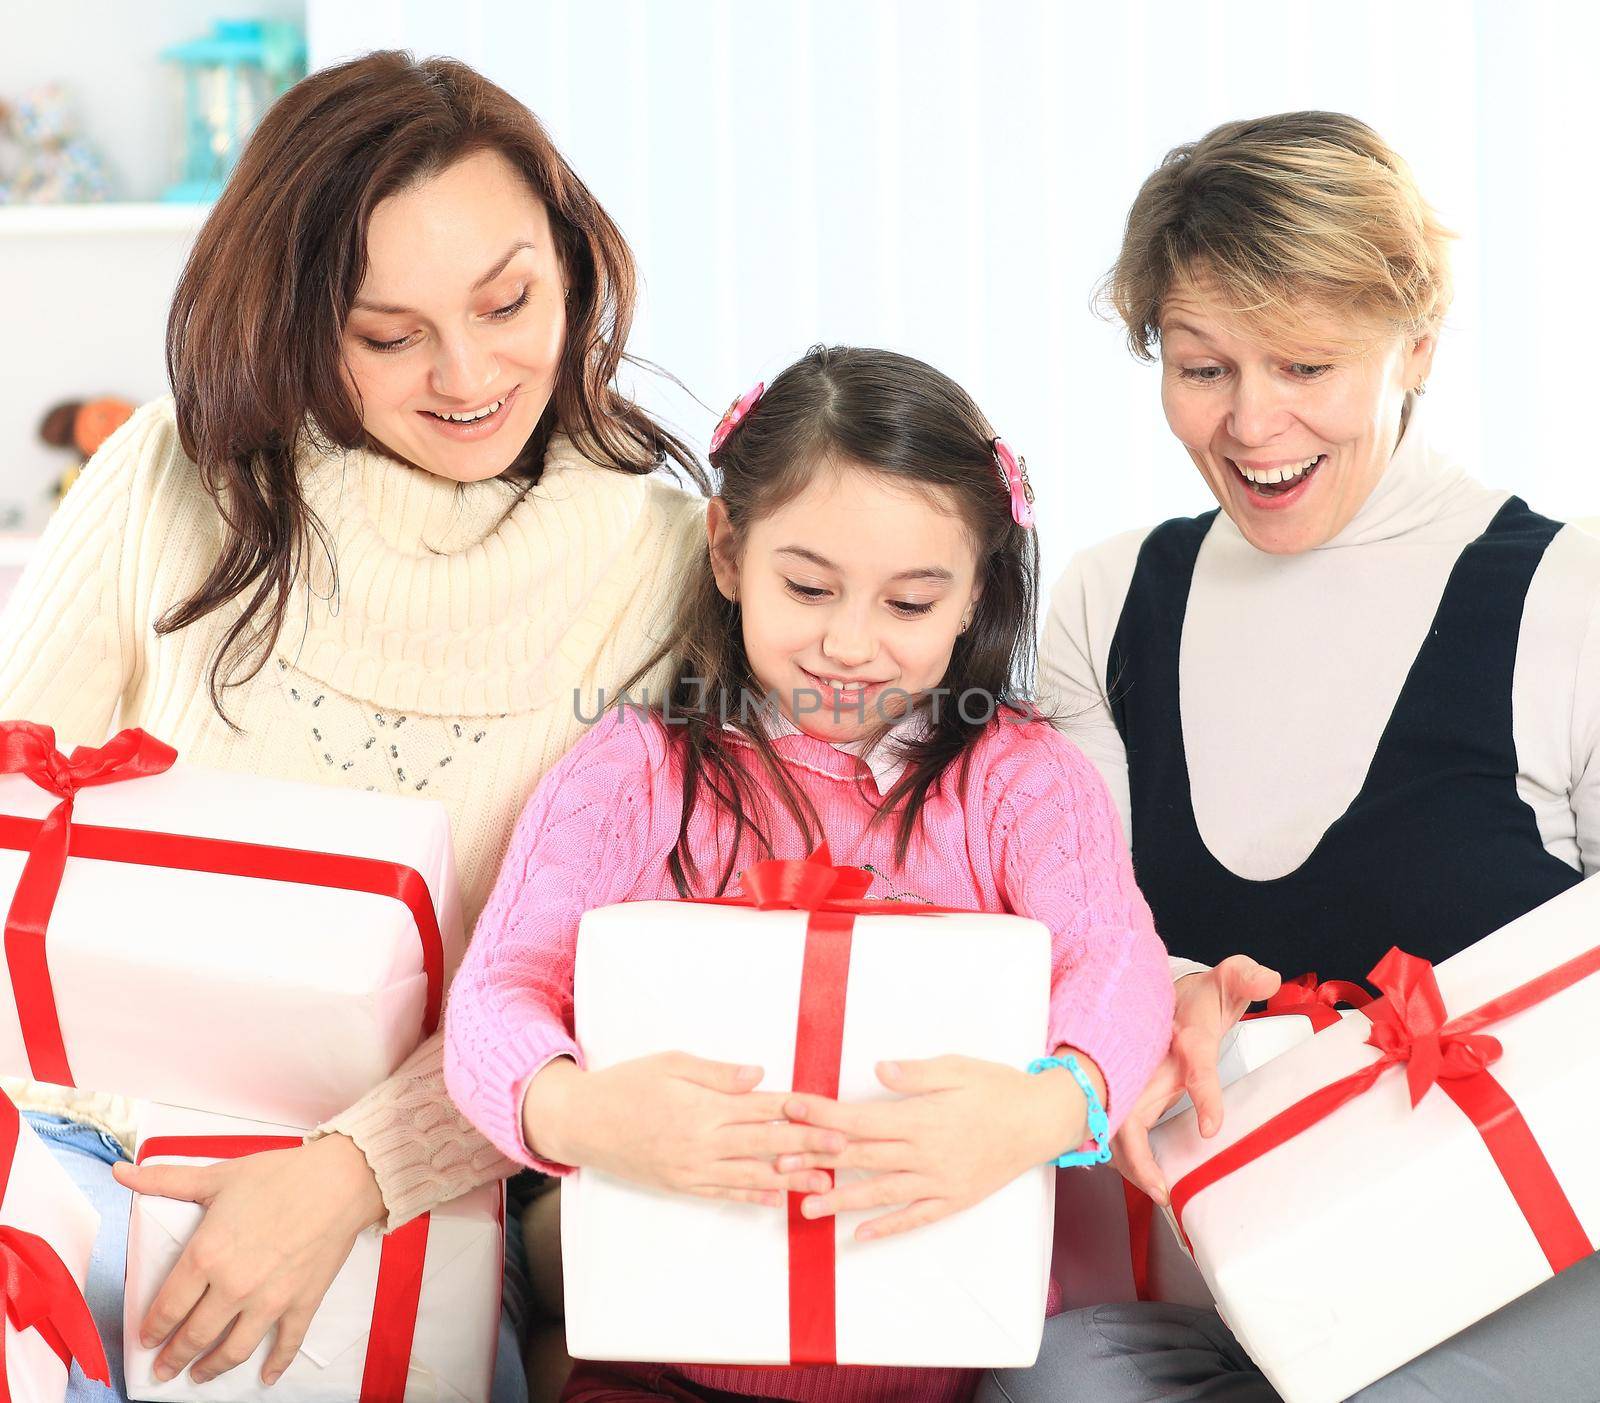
[[445, 664]]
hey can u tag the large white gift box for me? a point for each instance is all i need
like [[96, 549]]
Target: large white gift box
[[243, 945], [47, 1233], [1111, 1244], [657, 1276], [412, 1317], [1451, 1222]]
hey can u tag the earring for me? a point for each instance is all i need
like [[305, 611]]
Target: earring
[[1422, 388], [966, 622]]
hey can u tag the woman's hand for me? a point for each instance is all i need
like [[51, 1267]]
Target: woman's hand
[[961, 1129], [674, 1122], [1208, 1003], [277, 1228]]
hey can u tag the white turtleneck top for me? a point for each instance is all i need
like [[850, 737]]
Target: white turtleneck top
[[1290, 666], [445, 665]]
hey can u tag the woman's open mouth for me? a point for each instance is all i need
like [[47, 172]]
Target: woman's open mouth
[[1278, 484], [471, 423]]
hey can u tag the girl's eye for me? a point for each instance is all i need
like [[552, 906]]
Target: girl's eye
[[511, 308], [909, 610], [808, 593], [1202, 374], [1303, 371]]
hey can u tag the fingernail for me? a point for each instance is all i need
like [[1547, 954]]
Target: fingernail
[[269, 1379], [889, 1069], [795, 1110], [163, 1372], [749, 1073], [788, 1164], [148, 1340], [199, 1378], [809, 1208], [1208, 1126], [864, 1233]]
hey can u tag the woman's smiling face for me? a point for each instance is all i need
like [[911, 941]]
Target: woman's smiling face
[[1292, 442], [454, 340]]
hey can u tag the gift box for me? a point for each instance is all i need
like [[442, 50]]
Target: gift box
[[1111, 1245], [815, 987], [47, 1232], [412, 1317], [1448, 1136], [299, 935]]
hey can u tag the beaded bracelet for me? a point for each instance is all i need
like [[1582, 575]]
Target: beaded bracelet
[[1099, 1123]]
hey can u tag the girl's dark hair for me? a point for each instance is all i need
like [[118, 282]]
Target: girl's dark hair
[[254, 336], [901, 418]]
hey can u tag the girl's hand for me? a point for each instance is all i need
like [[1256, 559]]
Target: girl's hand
[[962, 1129], [277, 1228], [1208, 1003], [673, 1121]]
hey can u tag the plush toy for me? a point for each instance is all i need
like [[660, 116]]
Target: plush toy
[[83, 425], [42, 159]]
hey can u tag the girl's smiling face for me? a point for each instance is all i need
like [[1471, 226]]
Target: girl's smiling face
[[1290, 442], [851, 597], [454, 339]]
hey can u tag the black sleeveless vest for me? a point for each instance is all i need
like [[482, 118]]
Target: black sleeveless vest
[[1437, 849]]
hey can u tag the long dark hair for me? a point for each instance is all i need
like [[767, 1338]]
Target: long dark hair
[[899, 417], [254, 336]]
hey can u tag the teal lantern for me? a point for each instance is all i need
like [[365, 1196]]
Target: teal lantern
[[229, 78]]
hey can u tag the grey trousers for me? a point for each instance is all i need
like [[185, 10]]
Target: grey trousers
[[1542, 1348]]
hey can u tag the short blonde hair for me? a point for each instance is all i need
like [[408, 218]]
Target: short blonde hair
[[1284, 217]]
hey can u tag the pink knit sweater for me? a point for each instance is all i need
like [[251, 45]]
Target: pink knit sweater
[[1035, 834]]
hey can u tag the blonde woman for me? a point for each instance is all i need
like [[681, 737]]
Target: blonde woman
[[1357, 706]]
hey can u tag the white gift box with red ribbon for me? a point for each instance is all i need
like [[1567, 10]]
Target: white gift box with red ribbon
[[47, 1233], [412, 1317], [809, 997], [1390, 1182], [1110, 1244], [301, 935]]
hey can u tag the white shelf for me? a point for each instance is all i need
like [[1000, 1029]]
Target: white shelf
[[111, 217]]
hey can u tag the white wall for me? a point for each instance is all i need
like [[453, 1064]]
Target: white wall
[[950, 178]]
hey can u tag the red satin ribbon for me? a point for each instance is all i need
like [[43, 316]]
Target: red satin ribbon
[[1409, 1027], [29, 749], [400, 1263], [834, 897], [39, 1291], [1318, 1002]]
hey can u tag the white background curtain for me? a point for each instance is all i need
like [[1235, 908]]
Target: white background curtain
[[949, 178]]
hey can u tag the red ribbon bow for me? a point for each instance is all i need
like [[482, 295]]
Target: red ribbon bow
[[1318, 1002], [39, 1291], [41, 1295], [1409, 1026], [29, 749], [813, 885]]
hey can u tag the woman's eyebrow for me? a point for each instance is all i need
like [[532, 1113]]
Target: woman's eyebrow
[[387, 310]]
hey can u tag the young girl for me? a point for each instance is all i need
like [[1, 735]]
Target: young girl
[[847, 664]]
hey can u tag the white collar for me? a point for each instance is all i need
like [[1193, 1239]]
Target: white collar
[[884, 760]]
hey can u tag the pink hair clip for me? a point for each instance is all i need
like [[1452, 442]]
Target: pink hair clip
[[737, 412], [1014, 478]]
